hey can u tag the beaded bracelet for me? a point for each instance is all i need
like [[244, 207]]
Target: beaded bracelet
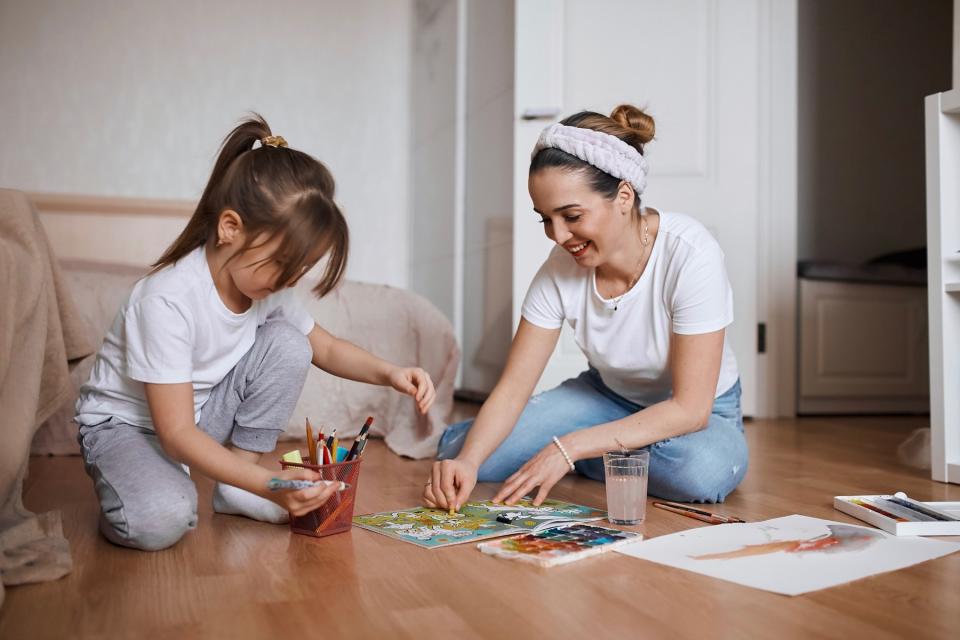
[[556, 441]]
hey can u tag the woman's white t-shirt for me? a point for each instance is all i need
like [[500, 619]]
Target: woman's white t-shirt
[[684, 289], [175, 328]]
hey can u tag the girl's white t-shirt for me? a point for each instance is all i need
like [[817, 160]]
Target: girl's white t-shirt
[[175, 328], [684, 289]]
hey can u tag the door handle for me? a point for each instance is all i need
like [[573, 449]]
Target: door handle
[[540, 113]]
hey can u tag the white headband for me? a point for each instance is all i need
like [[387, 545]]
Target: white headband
[[608, 153]]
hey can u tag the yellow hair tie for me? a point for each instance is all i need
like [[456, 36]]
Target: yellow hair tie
[[274, 141]]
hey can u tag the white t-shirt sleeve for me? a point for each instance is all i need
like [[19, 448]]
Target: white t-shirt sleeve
[[703, 299], [294, 310], [159, 341], [542, 305]]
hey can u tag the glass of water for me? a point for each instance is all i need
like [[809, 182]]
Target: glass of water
[[626, 479]]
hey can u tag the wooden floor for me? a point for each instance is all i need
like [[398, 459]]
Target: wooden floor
[[234, 578]]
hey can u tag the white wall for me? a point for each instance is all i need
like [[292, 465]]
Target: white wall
[[864, 70], [433, 149], [462, 178], [132, 99], [956, 44], [488, 215]]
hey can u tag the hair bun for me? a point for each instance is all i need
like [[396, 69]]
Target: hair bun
[[630, 117]]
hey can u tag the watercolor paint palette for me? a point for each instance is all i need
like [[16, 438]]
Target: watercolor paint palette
[[560, 544]]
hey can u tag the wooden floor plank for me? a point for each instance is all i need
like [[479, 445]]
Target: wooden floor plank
[[241, 579]]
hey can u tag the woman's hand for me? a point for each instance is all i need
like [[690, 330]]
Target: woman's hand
[[300, 501], [450, 484], [542, 470], [415, 382]]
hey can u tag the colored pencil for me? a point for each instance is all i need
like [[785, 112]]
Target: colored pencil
[[361, 437], [330, 439], [311, 444], [363, 444]]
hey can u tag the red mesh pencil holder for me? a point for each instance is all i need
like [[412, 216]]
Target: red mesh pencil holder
[[336, 514]]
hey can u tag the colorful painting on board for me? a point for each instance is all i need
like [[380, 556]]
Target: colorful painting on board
[[433, 528]]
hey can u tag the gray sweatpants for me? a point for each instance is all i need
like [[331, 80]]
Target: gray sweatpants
[[147, 499]]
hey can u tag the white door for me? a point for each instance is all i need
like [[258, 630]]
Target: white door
[[691, 64]]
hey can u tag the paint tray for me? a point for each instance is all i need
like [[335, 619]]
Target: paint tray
[[560, 544], [848, 504]]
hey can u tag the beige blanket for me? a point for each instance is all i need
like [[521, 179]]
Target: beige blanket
[[39, 333], [395, 324], [401, 327]]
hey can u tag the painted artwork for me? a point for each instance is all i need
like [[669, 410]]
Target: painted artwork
[[475, 521], [559, 544], [791, 555]]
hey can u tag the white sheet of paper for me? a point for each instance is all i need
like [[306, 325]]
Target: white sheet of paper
[[790, 555]]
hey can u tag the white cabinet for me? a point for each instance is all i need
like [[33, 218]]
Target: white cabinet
[[863, 348], [943, 272]]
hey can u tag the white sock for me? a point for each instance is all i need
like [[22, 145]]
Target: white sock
[[235, 501]]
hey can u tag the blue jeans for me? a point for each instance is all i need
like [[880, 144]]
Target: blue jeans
[[703, 466]]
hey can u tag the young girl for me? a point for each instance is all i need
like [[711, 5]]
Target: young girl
[[204, 363], [648, 298]]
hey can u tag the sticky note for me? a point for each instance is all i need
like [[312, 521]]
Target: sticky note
[[292, 456]]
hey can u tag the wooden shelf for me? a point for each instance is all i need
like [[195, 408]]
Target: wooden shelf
[[950, 102], [943, 227]]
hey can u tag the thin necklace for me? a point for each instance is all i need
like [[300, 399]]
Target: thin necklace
[[645, 241]]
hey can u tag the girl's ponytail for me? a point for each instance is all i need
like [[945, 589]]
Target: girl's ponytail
[[203, 222], [274, 190], [239, 141]]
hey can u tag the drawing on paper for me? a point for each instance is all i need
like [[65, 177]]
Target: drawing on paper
[[790, 555], [839, 538]]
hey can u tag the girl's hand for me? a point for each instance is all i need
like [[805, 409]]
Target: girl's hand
[[542, 470], [450, 484], [300, 501], [415, 382]]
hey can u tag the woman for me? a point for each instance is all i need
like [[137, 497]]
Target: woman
[[647, 295]]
